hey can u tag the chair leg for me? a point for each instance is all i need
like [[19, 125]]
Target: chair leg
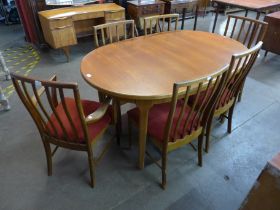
[[118, 133], [230, 114], [48, 152], [91, 169], [208, 132], [199, 151], [129, 126], [163, 170], [240, 92]]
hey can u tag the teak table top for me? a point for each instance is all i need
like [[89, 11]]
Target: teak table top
[[251, 4], [146, 67]]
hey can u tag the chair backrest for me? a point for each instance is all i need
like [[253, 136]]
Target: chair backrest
[[114, 32], [43, 108], [245, 30], [240, 66], [160, 23], [185, 118]]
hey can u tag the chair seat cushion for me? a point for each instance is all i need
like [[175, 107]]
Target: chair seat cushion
[[158, 118], [88, 107]]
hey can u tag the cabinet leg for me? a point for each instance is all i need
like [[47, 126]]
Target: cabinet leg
[[183, 18], [265, 54], [216, 18], [66, 51], [195, 18]]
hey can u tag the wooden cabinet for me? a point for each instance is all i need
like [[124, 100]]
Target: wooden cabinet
[[61, 27], [63, 36], [138, 9], [177, 6], [272, 38]]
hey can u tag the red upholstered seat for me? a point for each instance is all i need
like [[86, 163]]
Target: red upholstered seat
[[158, 116], [88, 107]]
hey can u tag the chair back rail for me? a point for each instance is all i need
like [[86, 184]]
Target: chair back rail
[[245, 30], [44, 109], [159, 21], [192, 117], [114, 32], [240, 66]]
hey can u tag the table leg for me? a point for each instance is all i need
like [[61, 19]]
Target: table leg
[[216, 18], [246, 13], [144, 108], [117, 118], [183, 18], [101, 96]]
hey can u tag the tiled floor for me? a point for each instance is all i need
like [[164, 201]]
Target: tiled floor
[[229, 170]]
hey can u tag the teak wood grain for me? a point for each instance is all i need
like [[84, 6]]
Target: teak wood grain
[[146, 67], [62, 26], [142, 70], [251, 4], [80, 11]]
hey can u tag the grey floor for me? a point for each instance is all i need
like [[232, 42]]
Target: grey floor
[[229, 171]]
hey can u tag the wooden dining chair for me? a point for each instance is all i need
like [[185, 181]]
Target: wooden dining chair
[[175, 124], [245, 30], [240, 66], [63, 119], [160, 23], [113, 32]]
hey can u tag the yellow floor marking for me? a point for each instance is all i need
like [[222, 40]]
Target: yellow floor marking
[[9, 87], [27, 57]]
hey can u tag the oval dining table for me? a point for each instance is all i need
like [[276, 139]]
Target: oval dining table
[[143, 70]]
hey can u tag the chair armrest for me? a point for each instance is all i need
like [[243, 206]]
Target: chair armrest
[[41, 90], [100, 112]]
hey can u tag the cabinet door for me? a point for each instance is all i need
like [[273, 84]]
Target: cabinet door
[[64, 36], [113, 16], [272, 38]]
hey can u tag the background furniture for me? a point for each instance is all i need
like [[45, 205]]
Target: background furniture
[[142, 70], [272, 38], [265, 192], [185, 7], [253, 5], [61, 27], [175, 124], [68, 2], [62, 121], [4, 68], [4, 103], [160, 23], [139, 9]]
